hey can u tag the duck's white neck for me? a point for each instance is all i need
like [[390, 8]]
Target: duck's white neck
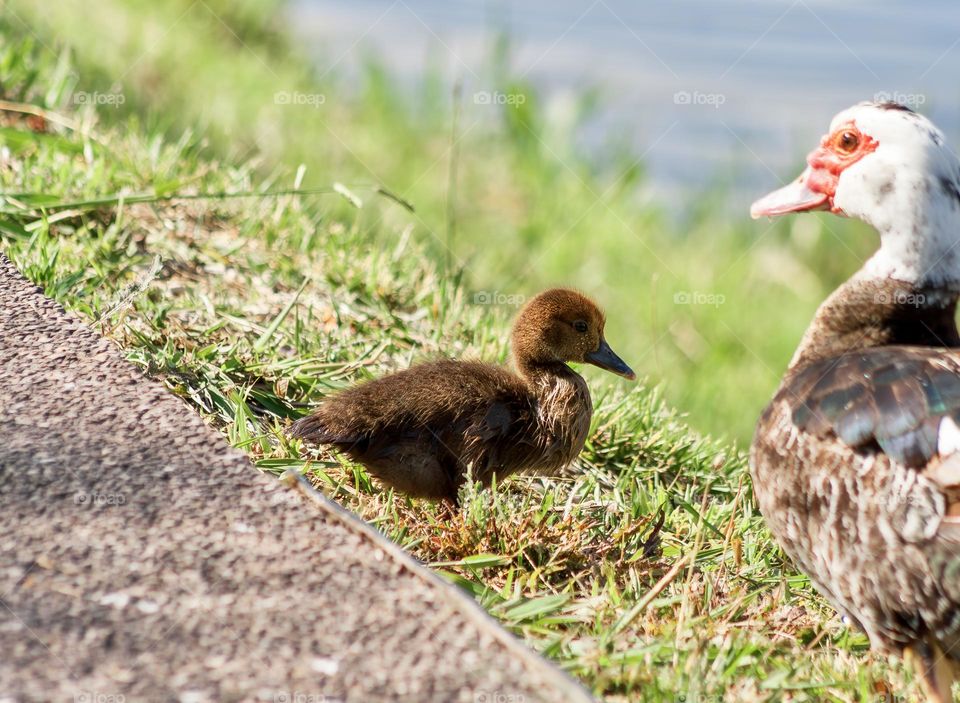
[[917, 214], [923, 251]]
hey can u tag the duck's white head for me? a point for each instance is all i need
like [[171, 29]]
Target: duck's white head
[[890, 167]]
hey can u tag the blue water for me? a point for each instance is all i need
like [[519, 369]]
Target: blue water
[[700, 87]]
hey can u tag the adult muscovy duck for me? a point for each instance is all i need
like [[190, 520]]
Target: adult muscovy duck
[[856, 461]]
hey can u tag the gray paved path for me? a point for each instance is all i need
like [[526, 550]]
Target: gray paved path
[[141, 558]]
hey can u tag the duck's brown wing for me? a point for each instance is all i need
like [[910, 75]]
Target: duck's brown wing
[[856, 464], [892, 399]]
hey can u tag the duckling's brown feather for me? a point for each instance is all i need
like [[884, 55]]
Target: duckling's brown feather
[[422, 429], [426, 429], [431, 394]]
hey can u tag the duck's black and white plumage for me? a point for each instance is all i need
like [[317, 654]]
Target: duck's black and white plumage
[[856, 461]]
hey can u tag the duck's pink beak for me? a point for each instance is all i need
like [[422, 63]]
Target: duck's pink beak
[[795, 197]]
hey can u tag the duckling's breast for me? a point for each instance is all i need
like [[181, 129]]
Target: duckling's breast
[[564, 411]]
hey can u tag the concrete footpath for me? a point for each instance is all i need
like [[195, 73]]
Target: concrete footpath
[[142, 558]]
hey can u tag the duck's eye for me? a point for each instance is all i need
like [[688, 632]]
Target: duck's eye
[[848, 141], [580, 326]]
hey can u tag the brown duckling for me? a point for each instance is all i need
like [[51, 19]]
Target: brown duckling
[[424, 429]]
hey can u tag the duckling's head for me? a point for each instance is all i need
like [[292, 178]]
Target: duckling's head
[[562, 325]]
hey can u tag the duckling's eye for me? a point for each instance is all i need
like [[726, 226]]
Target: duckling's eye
[[848, 141], [580, 326]]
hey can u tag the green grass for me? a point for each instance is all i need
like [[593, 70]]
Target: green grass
[[647, 572], [712, 308]]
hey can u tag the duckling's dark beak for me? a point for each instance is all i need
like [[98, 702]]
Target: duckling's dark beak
[[606, 359]]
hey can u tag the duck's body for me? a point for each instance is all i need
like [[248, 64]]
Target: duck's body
[[848, 472], [856, 461], [426, 429]]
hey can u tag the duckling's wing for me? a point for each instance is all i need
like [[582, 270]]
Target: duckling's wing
[[452, 401], [317, 428]]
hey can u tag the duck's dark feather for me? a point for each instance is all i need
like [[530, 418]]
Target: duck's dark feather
[[890, 399], [848, 472]]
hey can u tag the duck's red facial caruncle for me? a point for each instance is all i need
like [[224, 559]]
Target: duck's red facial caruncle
[[816, 187]]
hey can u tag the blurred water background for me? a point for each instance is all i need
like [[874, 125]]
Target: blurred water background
[[731, 91]]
